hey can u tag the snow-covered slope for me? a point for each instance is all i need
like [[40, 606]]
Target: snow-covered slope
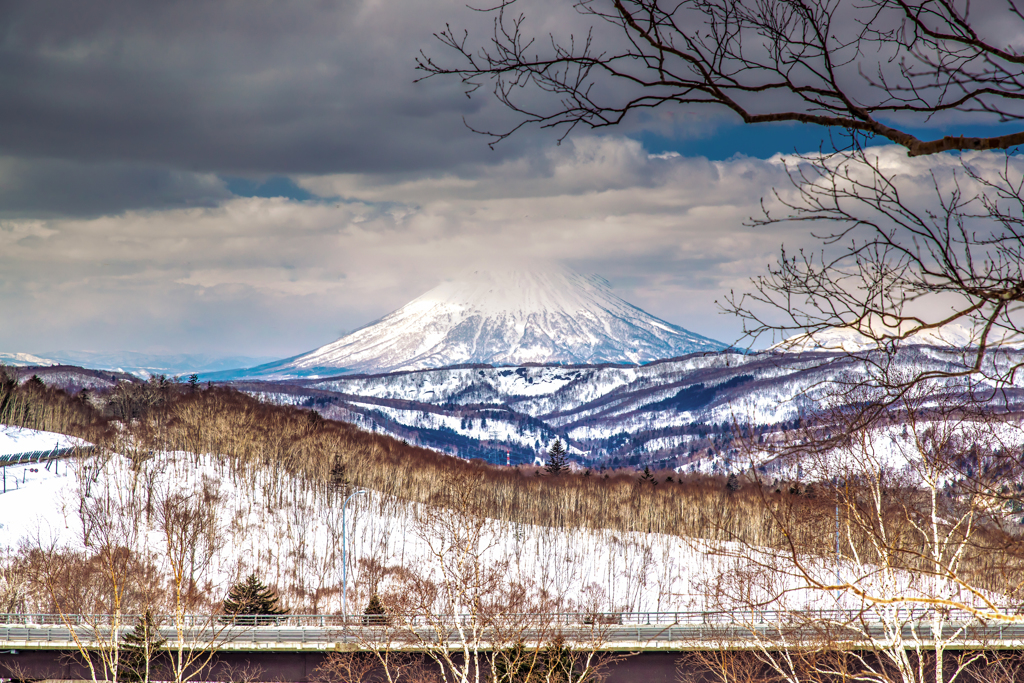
[[139, 364], [14, 440], [18, 359], [148, 364], [671, 409], [502, 318], [294, 543], [953, 335]]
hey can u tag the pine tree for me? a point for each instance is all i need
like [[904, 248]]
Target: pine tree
[[139, 648], [375, 614], [647, 477], [252, 597], [557, 460]]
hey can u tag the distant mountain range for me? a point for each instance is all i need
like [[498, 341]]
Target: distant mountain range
[[20, 360], [139, 364], [499, 318], [499, 363], [673, 413]]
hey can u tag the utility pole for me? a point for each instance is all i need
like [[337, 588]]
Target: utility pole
[[344, 557], [839, 580]]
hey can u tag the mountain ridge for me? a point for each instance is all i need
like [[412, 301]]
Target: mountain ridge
[[499, 318], [667, 412]]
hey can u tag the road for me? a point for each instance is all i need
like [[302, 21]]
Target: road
[[292, 646]]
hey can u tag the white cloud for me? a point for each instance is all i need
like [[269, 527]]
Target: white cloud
[[275, 276]]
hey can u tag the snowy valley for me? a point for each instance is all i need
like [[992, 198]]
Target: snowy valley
[[676, 413]]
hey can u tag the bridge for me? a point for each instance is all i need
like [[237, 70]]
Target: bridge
[[289, 648]]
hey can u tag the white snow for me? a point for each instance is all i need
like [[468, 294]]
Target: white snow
[[291, 535], [15, 440], [19, 359], [594, 403], [32, 495], [504, 318], [849, 340]]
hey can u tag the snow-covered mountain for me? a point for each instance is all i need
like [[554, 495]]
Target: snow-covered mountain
[[501, 318], [20, 360], [146, 364], [674, 412], [848, 340], [138, 364]]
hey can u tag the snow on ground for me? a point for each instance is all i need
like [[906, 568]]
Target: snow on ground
[[30, 495], [32, 492], [21, 440], [899, 449], [954, 335], [292, 536], [297, 540], [494, 430]]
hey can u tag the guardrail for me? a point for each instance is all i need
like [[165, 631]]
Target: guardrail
[[614, 630], [39, 456], [681, 618]]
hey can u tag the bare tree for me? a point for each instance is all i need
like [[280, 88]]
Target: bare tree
[[721, 665], [460, 577], [95, 586], [351, 667], [892, 269], [876, 67], [189, 525], [1001, 668], [925, 556], [465, 608], [887, 269]]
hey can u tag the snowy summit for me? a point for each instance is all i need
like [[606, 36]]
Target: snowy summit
[[502, 318]]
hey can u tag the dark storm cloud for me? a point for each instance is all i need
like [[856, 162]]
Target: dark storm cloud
[[127, 129], [57, 187], [244, 87]]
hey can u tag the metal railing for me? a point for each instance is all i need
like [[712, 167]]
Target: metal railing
[[739, 618], [40, 456]]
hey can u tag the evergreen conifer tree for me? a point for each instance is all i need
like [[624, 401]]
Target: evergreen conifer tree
[[557, 460], [375, 613], [252, 597], [647, 477], [139, 648]]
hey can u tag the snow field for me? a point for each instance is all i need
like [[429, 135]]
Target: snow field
[[15, 440], [496, 429], [291, 535]]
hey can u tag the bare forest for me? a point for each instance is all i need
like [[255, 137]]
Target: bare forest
[[190, 488]]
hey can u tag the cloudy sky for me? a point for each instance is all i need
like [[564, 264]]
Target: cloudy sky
[[250, 177]]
